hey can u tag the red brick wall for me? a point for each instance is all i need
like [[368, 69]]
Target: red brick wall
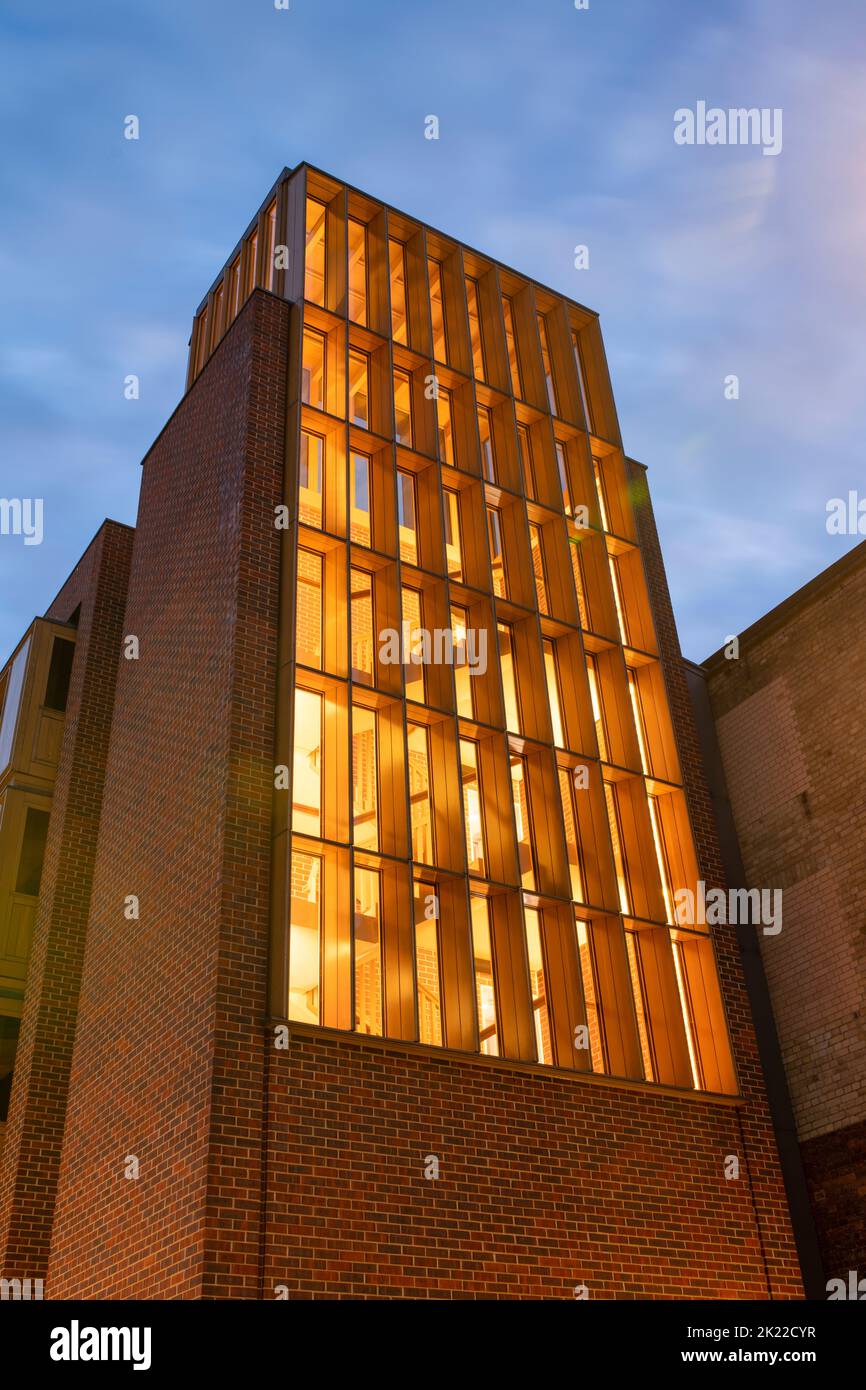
[[34, 1133], [168, 1065]]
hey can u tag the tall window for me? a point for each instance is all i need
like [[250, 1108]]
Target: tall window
[[635, 966], [574, 545], [597, 706], [613, 821], [28, 876], [362, 626], [201, 340], [403, 407], [497, 557], [537, 550], [511, 341], [621, 618], [357, 271], [590, 995], [361, 506], [397, 268], [412, 624], [407, 517], [437, 311], [453, 548], [639, 723], [313, 369], [485, 435], [268, 248], [219, 327], [475, 328], [524, 444], [485, 980], [598, 474], [444, 422], [581, 381], [365, 779], [310, 478], [509, 678], [309, 609], [564, 486], [462, 676], [11, 703], [305, 938], [252, 246], [472, 805], [314, 255], [427, 956], [522, 821], [307, 764], [359, 388], [538, 985], [367, 943], [548, 371], [551, 675], [567, 794], [417, 741], [234, 302]]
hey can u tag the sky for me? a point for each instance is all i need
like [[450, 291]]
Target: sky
[[556, 129]]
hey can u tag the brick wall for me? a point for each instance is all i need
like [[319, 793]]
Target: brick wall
[[789, 719], [34, 1133]]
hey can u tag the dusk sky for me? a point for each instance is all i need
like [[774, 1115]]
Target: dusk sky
[[556, 129]]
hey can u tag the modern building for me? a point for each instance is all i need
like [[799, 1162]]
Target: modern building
[[377, 989], [786, 714]]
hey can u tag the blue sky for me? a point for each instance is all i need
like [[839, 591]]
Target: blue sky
[[556, 129]]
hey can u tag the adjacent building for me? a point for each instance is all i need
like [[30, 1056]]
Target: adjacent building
[[375, 977]]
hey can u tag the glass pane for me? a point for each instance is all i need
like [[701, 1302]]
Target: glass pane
[[563, 478], [368, 952], [59, 674], [360, 530], [453, 550], [600, 493], [419, 793], [406, 517], [497, 560], [446, 432], [268, 249], [357, 271], [637, 986], [397, 266], [579, 582], [590, 995], [472, 806], [538, 985], [359, 402], [365, 778], [524, 443], [304, 938], [522, 821], [538, 567], [485, 984], [314, 261], [475, 328], [437, 311], [413, 662], [509, 681], [462, 677], [403, 408], [616, 843], [640, 727], [513, 362], [485, 435], [597, 707], [313, 369], [581, 379], [252, 256], [362, 626], [307, 764], [551, 676], [427, 964], [310, 478], [309, 609], [29, 874], [14, 687], [548, 373], [572, 835]]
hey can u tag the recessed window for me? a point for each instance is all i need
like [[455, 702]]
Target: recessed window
[[403, 407], [564, 486], [357, 271], [475, 328], [612, 804], [437, 311], [418, 747], [427, 969], [639, 722], [591, 995], [551, 675], [412, 625], [485, 435], [538, 985], [268, 247], [305, 938], [462, 676], [453, 548], [445, 424], [361, 507], [252, 249], [397, 268], [29, 875], [307, 763], [359, 388], [511, 341], [601, 493], [59, 674], [574, 546], [367, 944], [485, 979], [407, 517], [314, 257], [313, 369], [234, 289], [567, 794], [472, 806], [309, 609], [613, 565], [548, 371], [509, 679], [524, 444], [497, 557], [537, 550], [310, 477], [11, 703], [362, 626], [581, 381], [365, 778], [638, 986], [597, 705], [522, 821]]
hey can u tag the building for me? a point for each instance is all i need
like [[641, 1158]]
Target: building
[[380, 991], [787, 717]]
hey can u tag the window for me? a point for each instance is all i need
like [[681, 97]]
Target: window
[[403, 407], [397, 268], [581, 381], [688, 1014], [612, 805], [661, 857], [509, 678], [485, 982], [406, 517], [564, 487], [362, 626], [412, 624], [453, 549], [437, 311], [567, 794], [314, 259], [617, 598], [427, 975], [538, 985], [252, 256], [597, 706], [639, 994], [462, 676], [234, 288], [360, 529], [417, 742], [309, 609], [511, 341], [310, 476], [367, 941], [485, 435], [305, 938], [579, 581], [365, 778], [359, 374], [475, 328], [537, 551], [551, 675], [639, 723], [497, 559], [14, 687], [600, 492], [307, 764], [219, 326], [313, 369], [522, 821], [472, 805], [201, 341], [524, 444], [268, 248], [357, 271], [29, 874], [590, 994], [444, 422], [548, 373], [59, 674]]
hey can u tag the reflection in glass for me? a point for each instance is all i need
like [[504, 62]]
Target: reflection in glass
[[307, 763], [485, 982], [305, 937], [365, 784], [427, 963], [538, 985], [367, 942]]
